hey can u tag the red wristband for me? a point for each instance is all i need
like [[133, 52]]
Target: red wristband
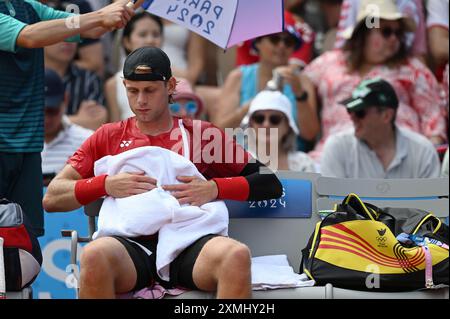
[[235, 188], [91, 189]]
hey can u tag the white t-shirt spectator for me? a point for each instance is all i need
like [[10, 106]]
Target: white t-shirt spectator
[[346, 156], [56, 153]]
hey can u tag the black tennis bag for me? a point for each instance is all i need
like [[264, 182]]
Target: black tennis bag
[[21, 249], [360, 246]]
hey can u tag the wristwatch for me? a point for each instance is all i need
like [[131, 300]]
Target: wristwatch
[[302, 97]]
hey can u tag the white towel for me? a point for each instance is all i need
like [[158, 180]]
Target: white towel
[[157, 210], [274, 272]]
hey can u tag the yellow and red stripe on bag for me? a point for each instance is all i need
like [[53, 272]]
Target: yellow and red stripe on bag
[[362, 244]]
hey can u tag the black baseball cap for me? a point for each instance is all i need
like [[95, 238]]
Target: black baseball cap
[[147, 64], [54, 89], [372, 92]]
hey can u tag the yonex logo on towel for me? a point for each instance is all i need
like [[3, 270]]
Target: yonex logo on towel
[[125, 144]]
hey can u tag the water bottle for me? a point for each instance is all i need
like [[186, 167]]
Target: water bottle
[[276, 83]]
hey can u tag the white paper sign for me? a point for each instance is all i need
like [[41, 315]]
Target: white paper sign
[[212, 19]]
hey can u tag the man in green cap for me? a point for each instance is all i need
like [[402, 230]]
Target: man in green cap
[[377, 147]]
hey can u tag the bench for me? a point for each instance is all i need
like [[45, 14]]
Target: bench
[[284, 226]]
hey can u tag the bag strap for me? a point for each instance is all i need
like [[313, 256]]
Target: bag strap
[[358, 205], [428, 267], [425, 219]]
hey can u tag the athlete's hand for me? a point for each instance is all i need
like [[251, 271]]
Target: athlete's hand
[[128, 184], [194, 191]]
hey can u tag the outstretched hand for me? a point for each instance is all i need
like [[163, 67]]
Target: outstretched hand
[[193, 191]]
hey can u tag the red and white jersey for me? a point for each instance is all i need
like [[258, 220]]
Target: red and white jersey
[[213, 152]]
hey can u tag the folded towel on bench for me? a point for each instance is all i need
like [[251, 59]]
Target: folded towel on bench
[[274, 272]]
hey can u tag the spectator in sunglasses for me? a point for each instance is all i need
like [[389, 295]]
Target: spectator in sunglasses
[[377, 147], [243, 83], [186, 104], [294, 13], [416, 41], [376, 47], [269, 111]]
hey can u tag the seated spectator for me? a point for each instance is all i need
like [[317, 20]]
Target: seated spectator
[[62, 138], [86, 102], [293, 14], [269, 111], [377, 147], [144, 29], [244, 82], [186, 104], [377, 52], [90, 51], [437, 30], [416, 40]]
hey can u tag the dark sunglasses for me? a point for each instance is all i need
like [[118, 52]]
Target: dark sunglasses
[[191, 107], [359, 114], [287, 40], [273, 119], [388, 31], [362, 113]]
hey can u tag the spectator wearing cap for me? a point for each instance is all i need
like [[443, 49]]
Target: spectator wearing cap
[[275, 133], [244, 82], [416, 41], [62, 138], [376, 51], [186, 104], [377, 147]]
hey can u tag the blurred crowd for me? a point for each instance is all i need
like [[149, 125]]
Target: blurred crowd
[[294, 81]]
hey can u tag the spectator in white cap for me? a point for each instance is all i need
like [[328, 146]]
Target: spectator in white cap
[[271, 110]]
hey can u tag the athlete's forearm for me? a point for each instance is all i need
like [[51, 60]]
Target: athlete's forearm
[[251, 185]]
